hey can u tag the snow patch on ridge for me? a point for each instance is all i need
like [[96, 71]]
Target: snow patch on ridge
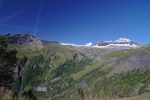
[[123, 40], [71, 44], [89, 44]]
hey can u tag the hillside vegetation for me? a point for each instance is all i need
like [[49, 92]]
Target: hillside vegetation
[[80, 73]]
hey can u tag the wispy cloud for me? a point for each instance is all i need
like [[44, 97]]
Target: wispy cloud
[[10, 17], [38, 16], [16, 27], [71, 44], [86, 45]]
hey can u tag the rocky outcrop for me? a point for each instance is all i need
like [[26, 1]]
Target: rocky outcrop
[[26, 39], [21, 69]]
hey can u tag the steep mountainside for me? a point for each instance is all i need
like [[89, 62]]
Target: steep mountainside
[[61, 72]]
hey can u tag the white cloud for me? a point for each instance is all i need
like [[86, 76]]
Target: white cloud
[[70, 44], [89, 44], [123, 40]]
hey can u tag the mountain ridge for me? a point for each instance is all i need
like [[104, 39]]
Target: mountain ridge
[[29, 39], [20, 39]]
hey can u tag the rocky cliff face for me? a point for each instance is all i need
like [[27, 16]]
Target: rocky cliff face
[[21, 69], [26, 39]]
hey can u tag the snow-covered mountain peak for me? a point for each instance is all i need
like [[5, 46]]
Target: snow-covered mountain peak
[[123, 40], [89, 44]]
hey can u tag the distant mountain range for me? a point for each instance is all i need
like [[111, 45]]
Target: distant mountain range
[[31, 39], [121, 42]]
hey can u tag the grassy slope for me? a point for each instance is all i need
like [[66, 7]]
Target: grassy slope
[[85, 71], [123, 54], [111, 60], [145, 96]]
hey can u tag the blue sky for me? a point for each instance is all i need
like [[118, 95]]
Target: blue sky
[[77, 21]]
